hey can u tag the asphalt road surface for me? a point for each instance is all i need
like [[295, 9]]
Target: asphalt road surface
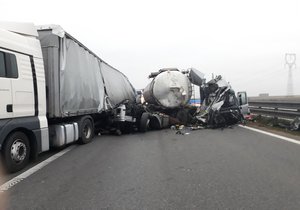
[[207, 169]]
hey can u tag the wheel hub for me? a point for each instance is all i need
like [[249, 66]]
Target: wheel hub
[[18, 151], [87, 131]]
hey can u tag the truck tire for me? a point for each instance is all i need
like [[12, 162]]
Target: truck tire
[[86, 130], [155, 122], [16, 151], [144, 123], [182, 116]]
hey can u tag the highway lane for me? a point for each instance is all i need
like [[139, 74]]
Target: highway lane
[[208, 169]]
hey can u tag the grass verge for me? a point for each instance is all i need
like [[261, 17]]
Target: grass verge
[[274, 125]]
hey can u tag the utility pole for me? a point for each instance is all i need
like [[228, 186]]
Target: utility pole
[[290, 61]]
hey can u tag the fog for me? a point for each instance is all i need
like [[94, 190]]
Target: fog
[[244, 41]]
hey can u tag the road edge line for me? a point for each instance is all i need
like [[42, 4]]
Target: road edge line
[[271, 134], [14, 181]]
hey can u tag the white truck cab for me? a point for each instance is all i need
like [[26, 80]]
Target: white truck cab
[[23, 122]]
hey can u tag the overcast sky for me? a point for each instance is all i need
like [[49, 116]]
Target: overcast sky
[[244, 41]]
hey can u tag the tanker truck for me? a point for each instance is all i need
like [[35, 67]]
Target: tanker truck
[[170, 90], [167, 97], [53, 91]]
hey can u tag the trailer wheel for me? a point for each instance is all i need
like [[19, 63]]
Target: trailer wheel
[[86, 130], [16, 152], [144, 123]]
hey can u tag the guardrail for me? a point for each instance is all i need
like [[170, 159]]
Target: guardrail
[[276, 106]]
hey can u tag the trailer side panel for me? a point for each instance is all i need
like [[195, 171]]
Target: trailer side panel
[[74, 82]]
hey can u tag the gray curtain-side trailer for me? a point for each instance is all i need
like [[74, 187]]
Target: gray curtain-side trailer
[[78, 81], [79, 87]]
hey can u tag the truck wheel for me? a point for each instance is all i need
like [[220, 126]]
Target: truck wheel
[[144, 123], [182, 116], [86, 131], [16, 151], [155, 122]]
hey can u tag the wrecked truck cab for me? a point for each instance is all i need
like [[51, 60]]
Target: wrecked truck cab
[[221, 107]]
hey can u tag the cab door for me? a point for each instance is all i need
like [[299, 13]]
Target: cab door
[[6, 104], [243, 102], [16, 85], [22, 86]]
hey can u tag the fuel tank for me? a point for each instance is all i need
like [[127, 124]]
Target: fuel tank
[[169, 88]]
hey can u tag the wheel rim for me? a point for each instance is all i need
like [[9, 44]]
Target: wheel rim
[[18, 151], [87, 131]]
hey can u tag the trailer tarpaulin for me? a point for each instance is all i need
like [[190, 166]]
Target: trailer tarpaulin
[[118, 87], [73, 75], [81, 83]]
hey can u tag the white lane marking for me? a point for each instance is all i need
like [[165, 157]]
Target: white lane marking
[[271, 134], [9, 184]]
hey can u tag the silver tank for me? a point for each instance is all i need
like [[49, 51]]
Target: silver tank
[[169, 89]]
